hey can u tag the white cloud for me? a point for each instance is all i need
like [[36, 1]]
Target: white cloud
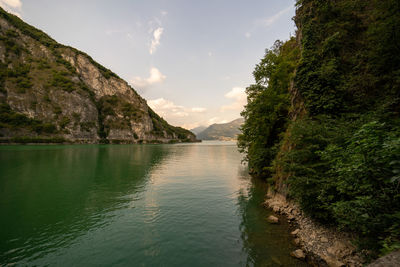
[[271, 20], [155, 42], [198, 110], [12, 6], [210, 54], [155, 77], [176, 114], [164, 13], [247, 35], [239, 97], [12, 3]]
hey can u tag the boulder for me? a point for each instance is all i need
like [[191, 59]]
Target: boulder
[[298, 254], [295, 232], [273, 219]]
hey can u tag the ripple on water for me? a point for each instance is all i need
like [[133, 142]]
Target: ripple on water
[[155, 205]]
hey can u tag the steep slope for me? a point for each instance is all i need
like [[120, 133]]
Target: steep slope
[[53, 93], [322, 124], [223, 131]]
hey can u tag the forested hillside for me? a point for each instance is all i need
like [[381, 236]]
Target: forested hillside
[[322, 121]]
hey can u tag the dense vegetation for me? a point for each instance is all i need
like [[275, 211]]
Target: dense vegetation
[[337, 142], [160, 125], [267, 109]]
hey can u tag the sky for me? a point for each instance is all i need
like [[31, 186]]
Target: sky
[[190, 59]]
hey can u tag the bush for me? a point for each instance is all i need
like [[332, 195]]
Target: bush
[[346, 173], [14, 120]]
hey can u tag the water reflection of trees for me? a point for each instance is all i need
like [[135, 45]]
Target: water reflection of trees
[[263, 243], [52, 196]]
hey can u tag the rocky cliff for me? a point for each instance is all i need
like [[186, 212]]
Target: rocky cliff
[[53, 93]]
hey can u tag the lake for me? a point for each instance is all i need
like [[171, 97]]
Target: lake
[[135, 205]]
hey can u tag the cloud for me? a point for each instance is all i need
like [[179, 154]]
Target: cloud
[[164, 13], [12, 6], [198, 110], [216, 120], [155, 42], [239, 97], [17, 4], [247, 35], [176, 114], [155, 77], [271, 20]]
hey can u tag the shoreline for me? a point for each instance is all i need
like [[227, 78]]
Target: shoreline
[[323, 246], [4, 142]]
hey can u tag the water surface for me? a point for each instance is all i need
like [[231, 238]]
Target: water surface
[[135, 205]]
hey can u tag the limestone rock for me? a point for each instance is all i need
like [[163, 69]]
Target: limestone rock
[[324, 239], [66, 95], [299, 254], [272, 219], [295, 232]]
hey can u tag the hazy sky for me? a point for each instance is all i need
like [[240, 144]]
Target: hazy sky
[[190, 59]]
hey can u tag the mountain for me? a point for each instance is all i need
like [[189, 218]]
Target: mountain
[[198, 130], [50, 92], [223, 131]]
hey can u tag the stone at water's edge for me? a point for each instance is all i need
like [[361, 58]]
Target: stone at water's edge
[[299, 254], [323, 246], [273, 219], [295, 232]]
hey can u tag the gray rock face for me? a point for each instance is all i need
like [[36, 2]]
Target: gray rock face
[[390, 260], [49, 90]]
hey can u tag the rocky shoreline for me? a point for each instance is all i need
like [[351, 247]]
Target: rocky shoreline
[[318, 245]]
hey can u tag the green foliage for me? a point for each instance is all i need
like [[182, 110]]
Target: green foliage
[[13, 120], [34, 140], [160, 125], [62, 81], [64, 122], [28, 30], [87, 126], [341, 152], [129, 110], [346, 172], [266, 112], [366, 170], [350, 54]]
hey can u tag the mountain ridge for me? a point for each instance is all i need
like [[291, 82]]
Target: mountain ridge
[[221, 131], [50, 92]]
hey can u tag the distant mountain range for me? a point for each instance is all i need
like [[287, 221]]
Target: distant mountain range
[[222, 131], [198, 130]]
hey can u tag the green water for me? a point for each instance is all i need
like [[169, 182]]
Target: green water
[[135, 205]]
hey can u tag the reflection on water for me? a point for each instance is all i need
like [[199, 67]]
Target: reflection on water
[[148, 205]]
